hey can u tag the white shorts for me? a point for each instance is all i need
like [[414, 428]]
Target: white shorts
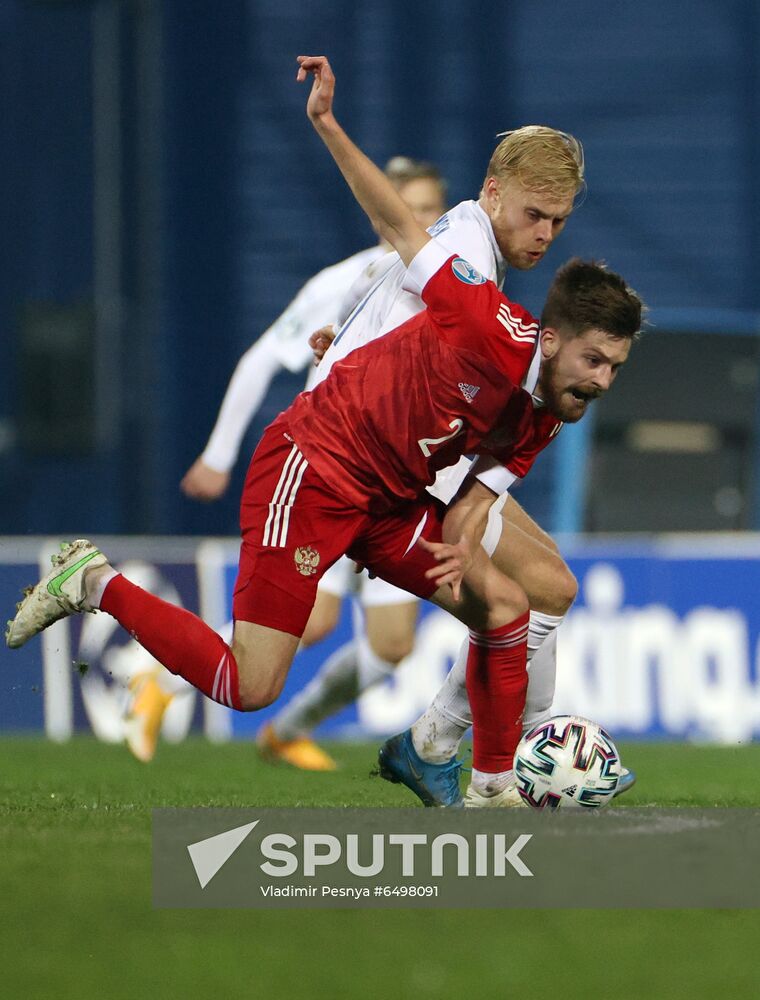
[[341, 581], [492, 534], [448, 481], [445, 488]]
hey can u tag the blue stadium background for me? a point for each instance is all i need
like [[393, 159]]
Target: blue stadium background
[[160, 182]]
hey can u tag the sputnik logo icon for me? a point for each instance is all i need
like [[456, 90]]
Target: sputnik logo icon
[[209, 855]]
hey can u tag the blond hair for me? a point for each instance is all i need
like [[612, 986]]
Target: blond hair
[[541, 158]]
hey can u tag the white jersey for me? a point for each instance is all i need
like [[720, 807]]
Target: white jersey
[[284, 345], [464, 230]]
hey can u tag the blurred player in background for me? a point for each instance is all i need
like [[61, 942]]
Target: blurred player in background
[[388, 615]]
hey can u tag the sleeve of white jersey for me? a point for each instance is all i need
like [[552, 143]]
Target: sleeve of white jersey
[[469, 241], [427, 262], [285, 344], [371, 274], [493, 474], [463, 239], [245, 393], [317, 304]]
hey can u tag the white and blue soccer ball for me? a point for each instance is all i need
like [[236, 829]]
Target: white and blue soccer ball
[[567, 761]]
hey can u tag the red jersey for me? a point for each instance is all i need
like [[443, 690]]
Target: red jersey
[[444, 384]]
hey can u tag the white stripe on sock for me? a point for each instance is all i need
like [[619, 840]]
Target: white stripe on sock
[[511, 639], [217, 678], [227, 682]]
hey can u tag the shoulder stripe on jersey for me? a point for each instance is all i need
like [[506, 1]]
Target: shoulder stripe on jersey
[[521, 337], [517, 320], [523, 333], [516, 327]]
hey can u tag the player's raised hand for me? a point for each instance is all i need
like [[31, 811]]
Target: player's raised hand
[[453, 562], [390, 216], [323, 87], [320, 341]]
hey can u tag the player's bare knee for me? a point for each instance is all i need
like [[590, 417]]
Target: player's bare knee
[[553, 588], [564, 591], [263, 657], [510, 603], [390, 630], [253, 702], [323, 619], [503, 600], [392, 648], [257, 695], [316, 631]]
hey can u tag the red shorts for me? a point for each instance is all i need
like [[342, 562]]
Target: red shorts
[[294, 527]]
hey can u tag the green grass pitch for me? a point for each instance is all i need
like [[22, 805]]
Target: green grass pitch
[[76, 917]]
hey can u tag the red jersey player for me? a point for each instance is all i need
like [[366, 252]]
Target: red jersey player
[[345, 467]]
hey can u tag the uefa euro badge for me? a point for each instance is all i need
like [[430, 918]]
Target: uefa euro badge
[[307, 560], [466, 272]]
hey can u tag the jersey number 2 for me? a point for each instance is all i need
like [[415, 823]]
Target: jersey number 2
[[426, 444]]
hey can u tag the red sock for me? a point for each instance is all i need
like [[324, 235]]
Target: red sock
[[179, 640], [497, 679]]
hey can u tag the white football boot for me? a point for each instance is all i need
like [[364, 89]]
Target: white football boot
[[507, 798], [62, 592]]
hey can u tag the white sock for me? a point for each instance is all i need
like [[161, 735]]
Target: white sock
[[371, 668], [96, 582], [173, 684], [438, 732], [334, 685], [540, 627], [491, 784], [340, 680], [542, 668]]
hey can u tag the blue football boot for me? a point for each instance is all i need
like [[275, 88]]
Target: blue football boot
[[626, 781], [435, 784]]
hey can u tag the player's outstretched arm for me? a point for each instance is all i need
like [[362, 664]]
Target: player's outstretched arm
[[390, 217], [208, 477]]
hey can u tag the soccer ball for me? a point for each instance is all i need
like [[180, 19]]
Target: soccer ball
[[567, 761]]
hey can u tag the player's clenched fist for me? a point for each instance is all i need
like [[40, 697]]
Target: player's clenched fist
[[320, 341], [201, 482], [322, 90]]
